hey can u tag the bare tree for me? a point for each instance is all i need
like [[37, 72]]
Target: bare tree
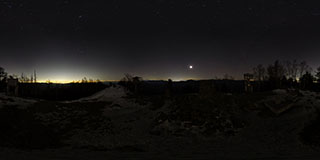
[[3, 78], [26, 79], [227, 77], [3, 74], [31, 78], [84, 80], [35, 76], [132, 83], [306, 81], [129, 77], [295, 68], [276, 72], [304, 67], [292, 69], [289, 69], [318, 74], [259, 73], [22, 78]]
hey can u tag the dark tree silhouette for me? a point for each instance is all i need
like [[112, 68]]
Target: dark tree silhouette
[[284, 82], [31, 78], [3, 74], [306, 81], [318, 74], [303, 68], [292, 69], [136, 83], [35, 76], [275, 73], [227, 77], [131, 83], [259, 73], [3, 78], [290, 82], [84, 80], [24, 79]]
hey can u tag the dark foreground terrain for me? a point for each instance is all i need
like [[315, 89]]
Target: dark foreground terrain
[[113, 124]]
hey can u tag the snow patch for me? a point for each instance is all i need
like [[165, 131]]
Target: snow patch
[[15, 101], [106, 95], [279, 91]]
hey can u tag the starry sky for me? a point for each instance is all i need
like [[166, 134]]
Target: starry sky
[[67, 40]]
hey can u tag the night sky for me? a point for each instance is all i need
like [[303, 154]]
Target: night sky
[[67, 40]]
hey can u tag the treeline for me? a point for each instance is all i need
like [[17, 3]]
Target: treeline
[[287, 74], [23, 78], [139, 87], [30, 88], [59, 92], [132, 83]]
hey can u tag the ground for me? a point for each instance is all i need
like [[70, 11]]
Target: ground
[[115, 124]]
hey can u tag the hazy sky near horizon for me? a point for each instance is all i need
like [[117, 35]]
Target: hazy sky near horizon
[[67, 40]]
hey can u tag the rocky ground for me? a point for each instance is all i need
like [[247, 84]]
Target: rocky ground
[[282, 124]]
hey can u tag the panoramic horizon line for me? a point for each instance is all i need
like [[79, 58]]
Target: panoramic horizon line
[[105, 81]]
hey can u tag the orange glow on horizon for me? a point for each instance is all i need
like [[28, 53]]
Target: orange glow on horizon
[[77, 81]]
